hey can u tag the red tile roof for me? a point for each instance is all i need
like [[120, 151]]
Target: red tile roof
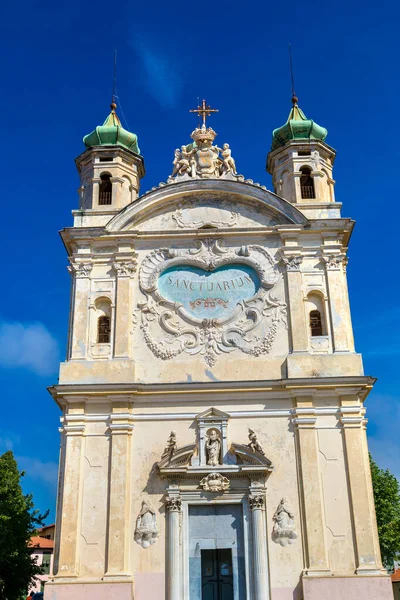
[[396, 576], [41, 542]]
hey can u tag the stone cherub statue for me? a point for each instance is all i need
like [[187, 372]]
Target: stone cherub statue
[[171, 445], [254, 444], [213, 448], [228, 164], [283, 532], [146, 531]]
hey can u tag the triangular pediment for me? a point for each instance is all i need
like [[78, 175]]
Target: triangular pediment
[[208, 204], [212, 413]]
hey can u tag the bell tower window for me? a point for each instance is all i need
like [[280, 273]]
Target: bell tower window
[[105, 192], [315, 323], [306, 183], [103, 330]]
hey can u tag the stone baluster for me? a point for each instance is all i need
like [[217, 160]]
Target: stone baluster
[[173, 507], [260, 552]]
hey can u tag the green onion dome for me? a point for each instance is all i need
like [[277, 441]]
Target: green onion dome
[[297, 127], [111, 133]]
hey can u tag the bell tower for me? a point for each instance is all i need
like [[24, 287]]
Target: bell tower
[[110, 170], [301, 163]]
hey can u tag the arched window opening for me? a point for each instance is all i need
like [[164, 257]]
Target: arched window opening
[[105, 192], [306, 183], [315, 323], [103, 330]]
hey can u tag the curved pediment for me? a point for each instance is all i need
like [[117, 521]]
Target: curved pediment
[[210, 203]]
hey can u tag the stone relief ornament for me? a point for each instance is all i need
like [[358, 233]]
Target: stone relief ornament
[[257, 501], [186, 208], [283, 532], [173, 504], [213, 448], [215, 482], [202, 159], [126, 269], [80, 269], [210, 300], [146, 531], [254, 444], [292, 263], [334, 261], [171, 445]]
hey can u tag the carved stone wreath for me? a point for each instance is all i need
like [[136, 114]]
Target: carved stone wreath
[[251, 327], [215, 482]]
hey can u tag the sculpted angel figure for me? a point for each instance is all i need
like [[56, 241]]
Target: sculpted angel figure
[[175, 162], [254, 443], [213, 447], [184, 160], [283, 531], [228, 161], [146, 531]]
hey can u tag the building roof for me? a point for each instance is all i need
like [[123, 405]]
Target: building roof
[[111, 133], [396, 576], [41, 542], [297, 127]]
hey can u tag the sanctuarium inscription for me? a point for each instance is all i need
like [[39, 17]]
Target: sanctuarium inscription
[[209, 294]]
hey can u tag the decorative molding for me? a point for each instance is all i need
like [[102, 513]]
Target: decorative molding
[[215, 482], [80, 269], [184, 223], [292, 263], [146, 530], [257, 502], [173, 504], [283, 532], [251, 328], [334, 261], [125, 269]]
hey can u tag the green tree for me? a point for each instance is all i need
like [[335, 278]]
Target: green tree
[[387, 507], [18, 523]]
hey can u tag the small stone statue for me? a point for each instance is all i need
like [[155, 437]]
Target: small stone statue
[[283, 532], [171, 445], [228, 164], [254, 444], [146, 531], [213, 448]]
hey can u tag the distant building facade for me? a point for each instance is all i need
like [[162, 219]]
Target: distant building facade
[[213, 421], [43, 551]]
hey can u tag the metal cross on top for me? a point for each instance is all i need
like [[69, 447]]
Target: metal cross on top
[[204, 111]]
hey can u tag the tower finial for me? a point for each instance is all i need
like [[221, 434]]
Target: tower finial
[[294, 97], [113, 104]]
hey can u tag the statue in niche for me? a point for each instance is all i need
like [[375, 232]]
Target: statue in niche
[[228, 164], [284, 532], [171, 446], [213, 448], [146, 531], [254, 444]]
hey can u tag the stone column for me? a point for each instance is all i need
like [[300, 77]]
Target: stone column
[[298, 328], [260, 553], [96, 191], [80, 308], [119, 495], [69, 507], [311, 492], [342, 336], [123, 304], [173, 507], [360, 488]]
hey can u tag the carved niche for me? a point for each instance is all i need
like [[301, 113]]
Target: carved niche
[[210, 300]]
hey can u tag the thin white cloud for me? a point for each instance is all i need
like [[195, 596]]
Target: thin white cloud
[[34, 468], [28, 345], [8, 441], [162, 78]]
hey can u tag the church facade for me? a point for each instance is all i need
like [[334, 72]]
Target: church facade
[[213, 423]]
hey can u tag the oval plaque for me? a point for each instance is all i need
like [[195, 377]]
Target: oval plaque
[[209, 294]]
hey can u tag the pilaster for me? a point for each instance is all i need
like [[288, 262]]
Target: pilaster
[[119, 494], [311, 492], [338, 300], [362, 508], [125, 269], [292, 260], [80, 272], [70, 493]]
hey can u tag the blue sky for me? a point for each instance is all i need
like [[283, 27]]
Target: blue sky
[[57, 81]]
